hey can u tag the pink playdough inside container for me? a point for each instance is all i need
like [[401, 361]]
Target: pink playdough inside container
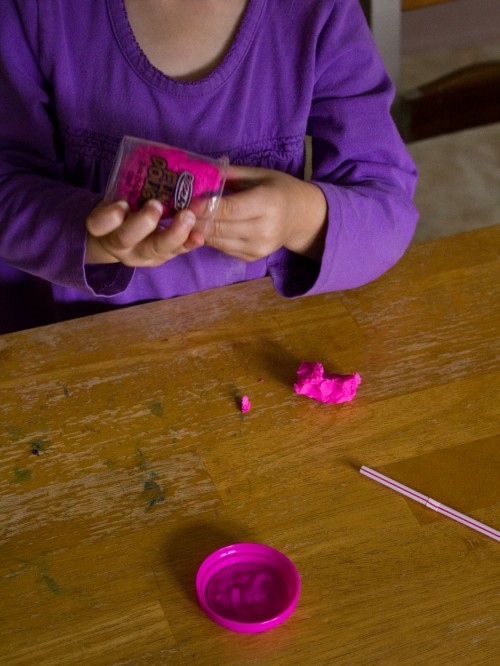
[[248, 587], [177, 178]]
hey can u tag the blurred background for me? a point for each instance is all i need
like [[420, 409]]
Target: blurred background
[[459, 185]]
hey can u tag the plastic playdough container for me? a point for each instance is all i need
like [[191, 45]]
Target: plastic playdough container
[[177, 178], [248, 587]]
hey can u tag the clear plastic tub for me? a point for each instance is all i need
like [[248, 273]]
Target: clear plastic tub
[[177, 178]]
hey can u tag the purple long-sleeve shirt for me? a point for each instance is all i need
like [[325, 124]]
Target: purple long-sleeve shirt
[[74, 81]]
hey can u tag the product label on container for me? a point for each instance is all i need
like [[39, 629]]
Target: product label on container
[[174, 190]]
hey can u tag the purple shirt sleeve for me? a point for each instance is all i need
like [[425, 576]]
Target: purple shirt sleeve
[[47, 234], [359, 161]]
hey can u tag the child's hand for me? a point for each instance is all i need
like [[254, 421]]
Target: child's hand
[[268, 210], [115, 234]]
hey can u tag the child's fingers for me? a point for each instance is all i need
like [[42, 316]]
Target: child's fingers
[[241, 248], [245, 204], [135, 239], [178, 238], [233, 247], [135, 227], [105, 218]]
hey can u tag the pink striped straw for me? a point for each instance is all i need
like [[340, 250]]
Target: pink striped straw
[[430, 503]]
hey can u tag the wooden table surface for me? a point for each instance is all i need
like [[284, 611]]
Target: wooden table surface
[[126, 460]]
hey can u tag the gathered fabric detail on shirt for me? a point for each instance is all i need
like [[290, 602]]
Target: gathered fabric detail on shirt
[[283, 149], [85, 149], [89, 143]]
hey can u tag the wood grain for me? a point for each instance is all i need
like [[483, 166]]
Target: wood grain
[[126, 460]]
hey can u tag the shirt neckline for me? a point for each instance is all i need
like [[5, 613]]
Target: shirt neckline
[[138, 60]]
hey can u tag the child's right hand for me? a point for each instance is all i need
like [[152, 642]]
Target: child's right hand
[[114, 234]]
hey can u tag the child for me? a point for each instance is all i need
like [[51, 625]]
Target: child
[[244, 78]]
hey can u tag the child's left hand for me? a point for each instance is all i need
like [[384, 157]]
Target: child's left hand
[[267, 210]]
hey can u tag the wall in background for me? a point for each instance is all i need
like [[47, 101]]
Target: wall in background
[[451, 25], [459, 185]]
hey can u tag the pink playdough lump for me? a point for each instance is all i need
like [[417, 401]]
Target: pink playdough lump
[[313, 382], [245, 404]]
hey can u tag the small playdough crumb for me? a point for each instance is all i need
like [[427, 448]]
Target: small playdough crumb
[[315, 383], [245, 404]]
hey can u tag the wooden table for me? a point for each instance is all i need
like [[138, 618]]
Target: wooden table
[[126, 460]]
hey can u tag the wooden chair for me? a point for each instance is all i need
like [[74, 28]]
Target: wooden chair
[[462, 99]]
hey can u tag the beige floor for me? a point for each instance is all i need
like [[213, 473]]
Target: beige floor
[[459, 184]]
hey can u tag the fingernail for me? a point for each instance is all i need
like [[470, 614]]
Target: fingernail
[[124, 205], [154, 203], [189, 218]]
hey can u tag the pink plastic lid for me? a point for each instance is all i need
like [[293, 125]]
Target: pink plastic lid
[[248, 587]]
